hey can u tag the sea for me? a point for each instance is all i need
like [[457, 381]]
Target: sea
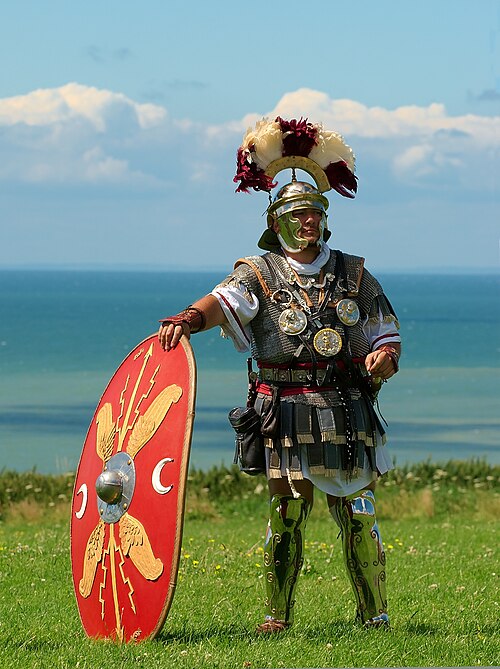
[[63, 334]]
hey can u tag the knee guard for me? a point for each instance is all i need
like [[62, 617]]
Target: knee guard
[[283, 554], [364, 555]]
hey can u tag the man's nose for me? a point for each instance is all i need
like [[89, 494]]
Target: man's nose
[[312, 216]]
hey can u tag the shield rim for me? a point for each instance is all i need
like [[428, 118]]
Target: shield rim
[[183, 471]]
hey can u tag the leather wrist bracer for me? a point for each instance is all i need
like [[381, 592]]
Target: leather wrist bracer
[[193, 317]]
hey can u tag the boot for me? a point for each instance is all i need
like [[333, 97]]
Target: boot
[[283, 559], [364, 556]]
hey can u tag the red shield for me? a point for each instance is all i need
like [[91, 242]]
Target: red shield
[[128, 503]]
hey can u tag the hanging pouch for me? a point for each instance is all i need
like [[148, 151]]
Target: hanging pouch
[[271, 417], [249, 452]]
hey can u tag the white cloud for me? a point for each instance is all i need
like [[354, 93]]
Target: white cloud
[[81, 134], [99, 166], [418, 145], [77, 134], [73, 101], [353, 118]]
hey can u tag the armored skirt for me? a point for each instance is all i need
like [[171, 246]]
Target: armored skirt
[[327, 433]]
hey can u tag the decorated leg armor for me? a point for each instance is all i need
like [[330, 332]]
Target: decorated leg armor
[[364, 556], [283, 559]]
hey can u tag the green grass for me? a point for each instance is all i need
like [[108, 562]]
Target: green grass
[[441, 539]]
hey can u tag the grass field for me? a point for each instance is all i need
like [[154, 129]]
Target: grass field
[[441, 540]]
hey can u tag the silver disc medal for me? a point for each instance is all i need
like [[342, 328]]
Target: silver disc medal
[[348, 312], [292, 321]]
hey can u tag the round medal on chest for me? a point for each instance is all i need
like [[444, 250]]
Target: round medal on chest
[[292, 321], [348, 312], [327, 341]]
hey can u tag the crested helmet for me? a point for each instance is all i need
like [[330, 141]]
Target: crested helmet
[[273, 146]]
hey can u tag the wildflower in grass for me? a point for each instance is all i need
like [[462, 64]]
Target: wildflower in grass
[[196, 563]]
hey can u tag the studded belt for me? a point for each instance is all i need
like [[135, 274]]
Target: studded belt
[[301, 376]]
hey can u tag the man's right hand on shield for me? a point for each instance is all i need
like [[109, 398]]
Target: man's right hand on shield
[[204, 314], [169, 334]]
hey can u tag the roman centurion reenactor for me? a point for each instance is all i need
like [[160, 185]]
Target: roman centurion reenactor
[[324, 337]]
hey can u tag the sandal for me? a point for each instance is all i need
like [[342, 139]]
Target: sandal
[[271, 626]]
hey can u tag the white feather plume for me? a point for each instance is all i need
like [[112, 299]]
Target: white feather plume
[[264, 142], [331, 148]]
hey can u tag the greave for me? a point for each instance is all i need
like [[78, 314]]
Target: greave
[[283, 554], [364, 555]]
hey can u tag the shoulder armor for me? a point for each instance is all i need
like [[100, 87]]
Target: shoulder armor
[[256, 264], [354, 266]]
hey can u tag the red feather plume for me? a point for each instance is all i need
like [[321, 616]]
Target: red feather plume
[[299, 137]]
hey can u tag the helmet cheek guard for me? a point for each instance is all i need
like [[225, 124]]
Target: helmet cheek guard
[[288, 232]]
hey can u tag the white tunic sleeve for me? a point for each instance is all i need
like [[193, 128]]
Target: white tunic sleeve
[[240, 306], [381, 332]]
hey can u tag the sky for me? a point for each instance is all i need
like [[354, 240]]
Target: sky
[[120, 122]]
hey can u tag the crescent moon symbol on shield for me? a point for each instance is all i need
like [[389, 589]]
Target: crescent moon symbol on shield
[[155, 478], [84, 491]]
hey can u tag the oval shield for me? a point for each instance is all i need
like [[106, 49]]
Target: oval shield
[[128, 502]]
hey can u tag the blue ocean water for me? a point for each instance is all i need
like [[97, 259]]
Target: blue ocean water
[[63, 334]]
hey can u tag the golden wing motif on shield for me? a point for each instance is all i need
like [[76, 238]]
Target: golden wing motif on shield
[[148, 423], [93, 555], [106, 431], [135, 543]]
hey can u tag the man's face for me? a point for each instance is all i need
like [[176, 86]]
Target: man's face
[[299, 228], [310, 228]]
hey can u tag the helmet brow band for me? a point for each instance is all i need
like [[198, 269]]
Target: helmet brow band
[[302, 163]]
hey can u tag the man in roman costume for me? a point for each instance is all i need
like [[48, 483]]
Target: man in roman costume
[[324, 337]]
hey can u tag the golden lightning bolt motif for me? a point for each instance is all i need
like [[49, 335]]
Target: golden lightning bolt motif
[[126, 580], [102, 585], [112, 549], [125, 426], [145, 395]]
